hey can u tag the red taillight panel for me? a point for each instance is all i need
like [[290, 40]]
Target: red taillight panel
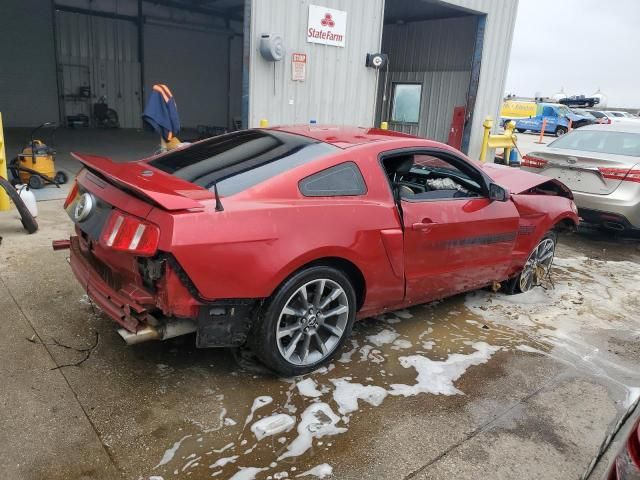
[[533, 162], [633, 447], [130, 234], [72, 194], [620, 174]]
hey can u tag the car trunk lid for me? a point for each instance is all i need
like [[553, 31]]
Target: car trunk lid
[[587, 172], [144, 181]]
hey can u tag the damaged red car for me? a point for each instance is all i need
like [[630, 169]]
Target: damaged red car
[[281, 238]]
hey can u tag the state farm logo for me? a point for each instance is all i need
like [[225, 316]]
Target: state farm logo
[[327, 21], [327, 26]]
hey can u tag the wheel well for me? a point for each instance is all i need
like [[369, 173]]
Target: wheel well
[[349, 269], [565, 225]]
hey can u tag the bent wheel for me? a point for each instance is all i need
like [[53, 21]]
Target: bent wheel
[[537, 265], [305, 322]]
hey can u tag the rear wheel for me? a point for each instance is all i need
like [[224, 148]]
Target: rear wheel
[[305, 322], [560, 131], [537, 265], [36, 182], [520, 130]]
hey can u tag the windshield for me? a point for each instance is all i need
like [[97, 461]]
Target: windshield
[[613, 143], [564, 111], [239, 160]]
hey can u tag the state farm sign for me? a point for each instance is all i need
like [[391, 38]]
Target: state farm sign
[[327, 26]]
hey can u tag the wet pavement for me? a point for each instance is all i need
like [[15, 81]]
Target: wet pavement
[[478, 384]]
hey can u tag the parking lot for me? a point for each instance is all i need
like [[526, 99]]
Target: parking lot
[[480, 384]]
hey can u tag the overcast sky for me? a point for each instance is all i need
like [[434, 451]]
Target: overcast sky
[[578, 45]]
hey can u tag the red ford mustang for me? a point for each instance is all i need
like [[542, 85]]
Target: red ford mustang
[[280, 238]]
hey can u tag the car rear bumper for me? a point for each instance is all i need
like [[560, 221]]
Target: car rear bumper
[[127, 306], [622, 205]]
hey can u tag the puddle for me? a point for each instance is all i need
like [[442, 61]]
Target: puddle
[[289, 430]]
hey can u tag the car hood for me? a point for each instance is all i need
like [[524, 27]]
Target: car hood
[[518, 181]]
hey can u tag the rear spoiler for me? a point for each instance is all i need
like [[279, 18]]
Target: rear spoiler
[[167, 191]]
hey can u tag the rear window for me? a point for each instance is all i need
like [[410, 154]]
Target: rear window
[[614, 143], [240, 160]]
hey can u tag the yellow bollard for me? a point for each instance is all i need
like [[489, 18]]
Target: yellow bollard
[[4, 198], [384, 126], [487, 125], [264, 123]]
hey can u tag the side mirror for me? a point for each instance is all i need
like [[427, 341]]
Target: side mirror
[[498, 193]]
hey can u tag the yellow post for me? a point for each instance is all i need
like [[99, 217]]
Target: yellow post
[[264, 123], [384, 126], [4, 198], [506, 140], [487, 125]]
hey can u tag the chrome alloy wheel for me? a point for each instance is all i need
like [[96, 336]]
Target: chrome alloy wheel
[[312, 322], [538, 264]]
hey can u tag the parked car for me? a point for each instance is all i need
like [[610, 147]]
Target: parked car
[[620, 114], [557, 117], [608, 117], [601, 117], [282, 237], [601, 165], [579, 101]]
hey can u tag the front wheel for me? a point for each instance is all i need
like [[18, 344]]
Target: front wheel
[[305, 322], [537, 265], [560, 131]]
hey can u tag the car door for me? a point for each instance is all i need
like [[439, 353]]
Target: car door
[[455, 244], [551, 116]]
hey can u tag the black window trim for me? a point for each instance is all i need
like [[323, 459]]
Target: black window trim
[[364, 191], [393, 101], [483, 178]]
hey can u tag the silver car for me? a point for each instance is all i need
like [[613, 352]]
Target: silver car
[[601, 166]]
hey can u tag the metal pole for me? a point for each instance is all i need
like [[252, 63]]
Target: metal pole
[[4, 198]]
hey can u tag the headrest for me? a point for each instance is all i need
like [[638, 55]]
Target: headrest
[[404, 164]]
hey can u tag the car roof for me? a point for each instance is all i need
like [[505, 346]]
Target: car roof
[[343, 136], [626, 127]]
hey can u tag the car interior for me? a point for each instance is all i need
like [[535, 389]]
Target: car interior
[[416, 177]]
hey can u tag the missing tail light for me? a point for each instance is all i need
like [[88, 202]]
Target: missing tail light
[[622, 174], [533, 162], [130, 234]]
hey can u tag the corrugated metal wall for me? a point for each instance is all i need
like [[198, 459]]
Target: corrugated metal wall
[[100, 53], [339, 88], [436, 54], [441, 92], [501, 15], [28, 90]]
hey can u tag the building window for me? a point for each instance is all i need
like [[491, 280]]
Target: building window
[[406, 102], [343, 179]]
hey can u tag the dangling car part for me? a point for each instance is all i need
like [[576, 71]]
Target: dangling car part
[[281, 238]]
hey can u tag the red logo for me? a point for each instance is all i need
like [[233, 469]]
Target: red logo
[[327, 21]]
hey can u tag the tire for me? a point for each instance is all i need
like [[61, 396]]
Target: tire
[[28, 222], [520, 130], [36, 182], [61, 178], [285, 319], [521, 283], [560, 131]]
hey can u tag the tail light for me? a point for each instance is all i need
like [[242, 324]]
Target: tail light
[[622, 174], [72, 194], [533, 162], [130, 234]]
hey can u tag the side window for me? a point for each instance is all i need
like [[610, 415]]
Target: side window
[[339, 180], [548, 112]]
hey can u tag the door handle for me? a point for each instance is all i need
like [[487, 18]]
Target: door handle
[[424, 225]]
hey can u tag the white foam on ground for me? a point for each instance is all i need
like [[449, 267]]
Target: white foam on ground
[[320, 471], [170, 453], [528, 349], [259, 402], [247, 473], [317, 421], [221, 462], [273, 425], [400, 344], [632, 395], [308, 388], [383, 337], [347, 394], [437, 377]]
